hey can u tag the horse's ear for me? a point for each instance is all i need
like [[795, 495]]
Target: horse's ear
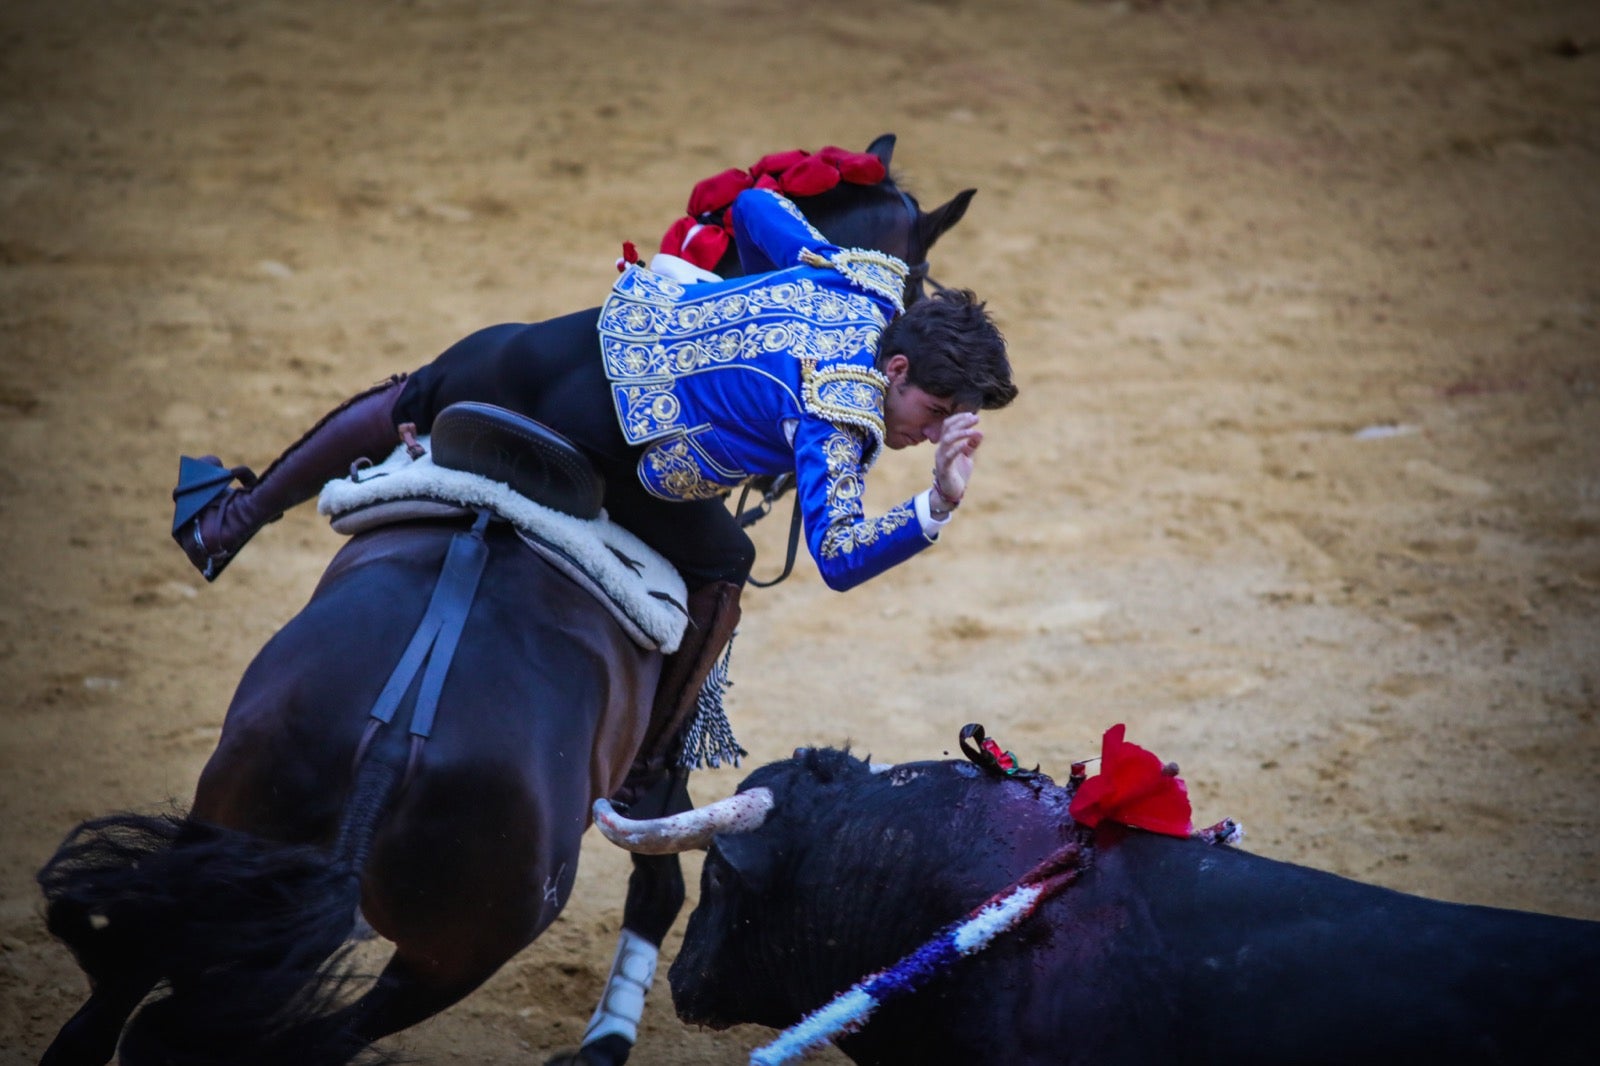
[[933, 224], [883, 148]]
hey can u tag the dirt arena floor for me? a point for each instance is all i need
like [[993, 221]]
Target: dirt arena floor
[[1303, 484]]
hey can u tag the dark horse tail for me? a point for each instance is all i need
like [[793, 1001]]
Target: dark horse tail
[[246, 940]]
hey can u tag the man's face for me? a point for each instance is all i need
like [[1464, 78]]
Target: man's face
[[910, 415]]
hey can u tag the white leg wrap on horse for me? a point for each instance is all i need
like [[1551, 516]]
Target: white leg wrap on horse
[[622, 1002]]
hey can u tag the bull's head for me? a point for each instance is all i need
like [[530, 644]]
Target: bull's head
[[808, 881], [735, 877]]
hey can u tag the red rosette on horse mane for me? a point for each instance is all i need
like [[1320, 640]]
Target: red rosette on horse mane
[[718, 191], [858, 168], [703, 236], [811, 176], [800, 173], [777, 162], [702, 245], [1133, 788]]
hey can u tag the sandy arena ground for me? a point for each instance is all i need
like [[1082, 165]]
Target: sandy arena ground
[[1303, 484]]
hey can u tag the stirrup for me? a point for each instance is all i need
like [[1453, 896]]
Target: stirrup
[[200, 482]]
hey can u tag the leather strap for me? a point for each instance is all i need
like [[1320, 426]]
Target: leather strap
[[433, 645]]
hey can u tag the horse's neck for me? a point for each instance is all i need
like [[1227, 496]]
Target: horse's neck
[[856, 216]]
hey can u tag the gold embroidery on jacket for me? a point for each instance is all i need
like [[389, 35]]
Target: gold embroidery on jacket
[[673, 473], [874, 271], [848, 529], [655, 332], [847, 395], [647, 341]]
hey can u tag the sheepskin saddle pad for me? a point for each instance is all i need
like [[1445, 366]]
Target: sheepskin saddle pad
[[641, 589]]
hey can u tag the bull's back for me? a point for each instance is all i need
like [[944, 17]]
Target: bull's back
[[1267, 961]]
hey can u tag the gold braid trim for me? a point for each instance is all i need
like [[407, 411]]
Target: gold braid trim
[[847, 395], [874, 271]]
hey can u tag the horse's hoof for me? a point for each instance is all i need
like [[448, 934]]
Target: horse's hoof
[[610, 1050]]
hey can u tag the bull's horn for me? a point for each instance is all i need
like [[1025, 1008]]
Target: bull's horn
[[738, 813]]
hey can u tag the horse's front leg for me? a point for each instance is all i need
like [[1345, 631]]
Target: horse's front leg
[[655, 896]]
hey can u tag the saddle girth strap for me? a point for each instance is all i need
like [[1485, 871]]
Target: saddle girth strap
[[433, 646]]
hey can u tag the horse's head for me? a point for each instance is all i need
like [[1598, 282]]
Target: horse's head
[[881, 216], [885, 217]]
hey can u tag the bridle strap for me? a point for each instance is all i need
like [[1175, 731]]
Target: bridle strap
[[917, 272]]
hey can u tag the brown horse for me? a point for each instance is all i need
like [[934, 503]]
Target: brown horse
[[239, 912]]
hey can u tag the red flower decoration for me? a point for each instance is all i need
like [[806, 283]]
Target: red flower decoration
[[702, 245], [1133, 788], [718, 191], [809, 177], [1004, 759], [630, 254], [858, 168], [778, 162]]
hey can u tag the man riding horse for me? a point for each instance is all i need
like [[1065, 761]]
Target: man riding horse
[[679, 392], [675, 393]]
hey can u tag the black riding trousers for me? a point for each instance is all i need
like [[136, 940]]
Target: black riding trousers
[[552, 372]]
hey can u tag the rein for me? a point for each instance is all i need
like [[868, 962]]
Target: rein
[[747, 517], [917, 272]]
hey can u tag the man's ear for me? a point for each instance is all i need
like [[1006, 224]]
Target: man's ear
[[896, 366]]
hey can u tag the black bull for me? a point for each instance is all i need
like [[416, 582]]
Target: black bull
[[1164, 950], [234, 909]]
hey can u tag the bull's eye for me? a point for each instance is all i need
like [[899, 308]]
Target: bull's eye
[[716, 877]]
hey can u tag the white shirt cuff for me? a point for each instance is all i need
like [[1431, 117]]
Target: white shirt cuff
[[930, 524]]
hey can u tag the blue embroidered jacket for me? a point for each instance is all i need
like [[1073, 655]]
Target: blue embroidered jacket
[[763, 375]]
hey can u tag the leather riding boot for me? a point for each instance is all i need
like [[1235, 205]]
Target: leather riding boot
[[713, 616], [213, 521]]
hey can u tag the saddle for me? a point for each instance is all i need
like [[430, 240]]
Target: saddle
[[484, 458]]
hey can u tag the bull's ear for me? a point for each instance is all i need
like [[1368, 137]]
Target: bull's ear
[[750, 859]]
